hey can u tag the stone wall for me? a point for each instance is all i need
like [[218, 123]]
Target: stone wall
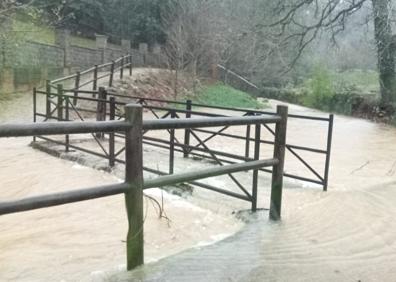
[[43, 61], [36, 54], [111, 54], [83, 58], [137, 58]]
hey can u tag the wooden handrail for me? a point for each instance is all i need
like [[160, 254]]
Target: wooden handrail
[[132, 188]]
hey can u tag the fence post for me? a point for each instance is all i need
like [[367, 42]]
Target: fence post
[[111, 74], [76, 87], [130, 65], [134, 177], [48, 100], [172, 147], [34, 108], [101, 108], [95, 80], [187, 130], [111, 136], [59, 104], [257, 140], [328, 151], [122, 68], [247, 142], [67, 117], [277, 171]]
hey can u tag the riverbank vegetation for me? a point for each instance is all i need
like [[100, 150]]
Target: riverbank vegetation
[[351, 92], [329, 91]]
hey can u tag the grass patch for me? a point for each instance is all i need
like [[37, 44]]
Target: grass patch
[[223, 95]]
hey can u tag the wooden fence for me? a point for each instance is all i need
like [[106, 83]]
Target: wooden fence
[[73, 85], [105, 104], [133, 128], [93, 76]]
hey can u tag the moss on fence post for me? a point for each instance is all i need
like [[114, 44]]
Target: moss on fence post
[[134, 177]]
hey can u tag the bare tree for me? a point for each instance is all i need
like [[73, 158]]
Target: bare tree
[[245, 48], [196, 33], [302, 21], [264, 39]]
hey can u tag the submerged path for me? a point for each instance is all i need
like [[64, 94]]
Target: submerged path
[[79, 241], [346, 234]]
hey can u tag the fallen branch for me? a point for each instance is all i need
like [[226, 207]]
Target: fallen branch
[[360, 168], [392, 170], [159, 208]]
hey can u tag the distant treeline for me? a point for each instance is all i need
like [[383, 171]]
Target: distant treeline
[[137, 20]]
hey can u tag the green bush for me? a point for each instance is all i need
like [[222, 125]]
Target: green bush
[[320, 90]]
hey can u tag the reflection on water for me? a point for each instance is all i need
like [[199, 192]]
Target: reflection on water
[[347, 234]]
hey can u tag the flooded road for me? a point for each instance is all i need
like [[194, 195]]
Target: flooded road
[[346, 234], [79, 242]]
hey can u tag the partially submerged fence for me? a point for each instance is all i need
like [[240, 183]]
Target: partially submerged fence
[[105, 105], [93, 76], [133, 128]]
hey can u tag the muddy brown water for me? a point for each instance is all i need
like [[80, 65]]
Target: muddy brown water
[[78, 242], [346, 234]]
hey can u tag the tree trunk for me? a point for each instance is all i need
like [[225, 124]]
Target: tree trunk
[[175, 92], [385, 50]]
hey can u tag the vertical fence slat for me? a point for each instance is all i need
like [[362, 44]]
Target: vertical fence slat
[[101, 108], [59, 104], [277, 171], [34, 108], [134, 177], [95, 80], [48, 100], [257, 139], [122, 68], [247, 142], [76, 87], [328, 153], [187, 131], [67, 118], [111, 74], [130, 65], [111, 136], [172, 147]]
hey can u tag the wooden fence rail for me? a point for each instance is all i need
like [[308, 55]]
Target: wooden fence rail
[[77, 81], [174, 109], [133, 128]]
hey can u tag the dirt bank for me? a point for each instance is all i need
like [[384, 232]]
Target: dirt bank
[[154, 83]]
